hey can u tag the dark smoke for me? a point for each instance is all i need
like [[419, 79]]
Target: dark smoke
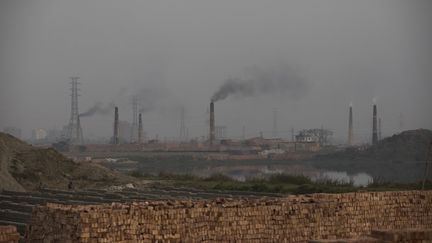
[[99, 109], [259, 81]]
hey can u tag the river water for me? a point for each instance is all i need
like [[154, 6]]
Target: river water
[[241, 173]]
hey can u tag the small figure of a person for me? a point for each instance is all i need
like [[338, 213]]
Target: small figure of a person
[[70, 185]]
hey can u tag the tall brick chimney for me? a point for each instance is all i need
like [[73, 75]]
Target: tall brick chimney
[[350, 126], [374, 125], [116, 126], [140, 129], [212, 123]]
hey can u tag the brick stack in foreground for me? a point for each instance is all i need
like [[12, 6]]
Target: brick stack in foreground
[[8, 234], [388, 236], [404, 236], [361, 239], [290, 219]]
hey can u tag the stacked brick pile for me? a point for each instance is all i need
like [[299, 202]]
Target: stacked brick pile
[[361, 239], [9, 234], [388, 236], [290, 219], [405, 236]]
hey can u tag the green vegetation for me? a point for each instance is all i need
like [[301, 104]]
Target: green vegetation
[[277, 183]]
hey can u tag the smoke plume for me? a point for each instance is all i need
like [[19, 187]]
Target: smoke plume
[[99, 109], [259, 81]]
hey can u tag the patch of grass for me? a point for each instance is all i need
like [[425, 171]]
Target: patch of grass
[[181, 177], [289, 179], [381, 185], [218, 177], [323, 188], [135, 174], [277, 183]]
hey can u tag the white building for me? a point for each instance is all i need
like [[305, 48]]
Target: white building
[[306, 136], [317, 135], [39, 134]]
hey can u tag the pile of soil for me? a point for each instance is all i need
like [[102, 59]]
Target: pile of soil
[[24, 167], [408, 145]]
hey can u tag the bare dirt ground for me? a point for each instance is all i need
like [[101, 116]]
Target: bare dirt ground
[[24, 167]]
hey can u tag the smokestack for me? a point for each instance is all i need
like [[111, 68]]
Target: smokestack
[[134, 119], [374, 125], [212, 123], [116, 126], [350, 126], [140, 129]]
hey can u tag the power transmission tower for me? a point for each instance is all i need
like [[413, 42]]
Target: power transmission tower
[[74, 128], [183, 132], [275, 129]]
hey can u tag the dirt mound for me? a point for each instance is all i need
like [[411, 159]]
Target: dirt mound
[[411, 145], [399, 158], [24, 167], [7, 143]]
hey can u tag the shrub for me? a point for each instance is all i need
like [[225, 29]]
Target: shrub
[[289, 179], [218, 177]]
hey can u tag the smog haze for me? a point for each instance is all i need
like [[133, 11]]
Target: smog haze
[[307, 59]]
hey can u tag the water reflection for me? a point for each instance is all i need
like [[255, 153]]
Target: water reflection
[[360, 179], [241, 173]]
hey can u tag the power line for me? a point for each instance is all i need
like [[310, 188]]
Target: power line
[[183, 131], [275, 129], [243, 132]]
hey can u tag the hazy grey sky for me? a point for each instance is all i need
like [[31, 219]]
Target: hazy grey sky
[[178, 53]]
